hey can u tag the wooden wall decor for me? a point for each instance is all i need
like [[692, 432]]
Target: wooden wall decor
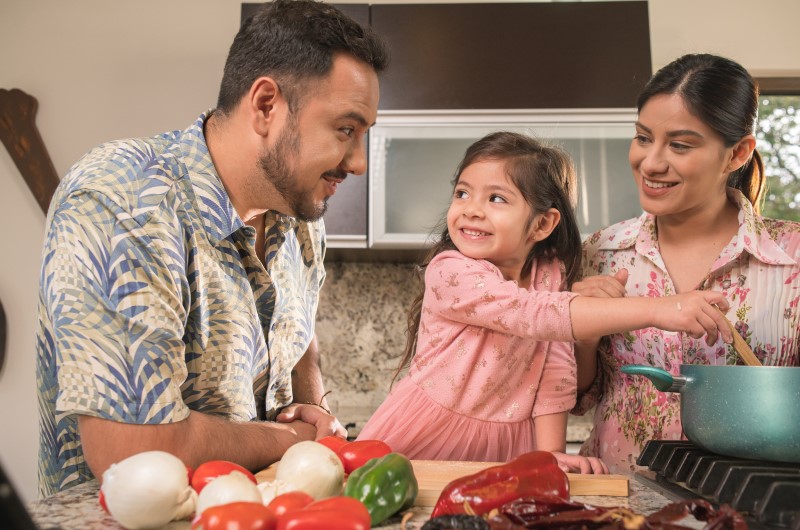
[[2, 337], [25, 145]]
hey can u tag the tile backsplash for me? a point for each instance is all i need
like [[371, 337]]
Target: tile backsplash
[[361, 327]]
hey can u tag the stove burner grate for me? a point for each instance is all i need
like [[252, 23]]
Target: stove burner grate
[[767, 493]]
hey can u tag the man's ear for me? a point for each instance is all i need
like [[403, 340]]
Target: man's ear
[[261, 99], [544, 224], [741, 153]]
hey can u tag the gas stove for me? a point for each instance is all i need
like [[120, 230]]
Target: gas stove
[[766, 493]]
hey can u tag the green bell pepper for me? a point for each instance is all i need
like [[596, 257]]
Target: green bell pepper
[[385, 485]]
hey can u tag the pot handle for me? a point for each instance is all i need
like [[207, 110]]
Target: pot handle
[[662, 380]]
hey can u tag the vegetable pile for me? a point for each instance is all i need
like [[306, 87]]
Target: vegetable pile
[[150, 489]]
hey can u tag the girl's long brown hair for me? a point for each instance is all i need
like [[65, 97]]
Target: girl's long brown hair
[[545, 175]]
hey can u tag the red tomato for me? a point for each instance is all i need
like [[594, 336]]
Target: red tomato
[[356, 454], [333, 513], [334, 443], [208, 471], [101, 498], [235, 516], [189, 473], [289, 502]]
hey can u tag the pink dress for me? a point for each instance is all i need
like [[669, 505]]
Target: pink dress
[[759, 273], [490, 357]]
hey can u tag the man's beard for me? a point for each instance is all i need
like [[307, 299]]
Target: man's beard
[[275, 168]]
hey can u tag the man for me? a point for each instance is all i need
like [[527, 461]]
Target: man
[[181, 273]]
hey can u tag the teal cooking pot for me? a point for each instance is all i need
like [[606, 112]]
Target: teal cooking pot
[[743, 411]]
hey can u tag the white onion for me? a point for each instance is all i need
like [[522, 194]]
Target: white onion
[[224, 489], [148, 490], [270, 490], [313, 468]]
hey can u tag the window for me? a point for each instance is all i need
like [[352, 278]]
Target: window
[[778, 141]]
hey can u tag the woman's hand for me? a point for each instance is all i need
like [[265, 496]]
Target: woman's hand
[[603, 285], [695, 314], [586, 465]]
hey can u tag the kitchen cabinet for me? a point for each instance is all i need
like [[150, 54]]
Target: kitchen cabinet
[[535, 55], [414, 156]]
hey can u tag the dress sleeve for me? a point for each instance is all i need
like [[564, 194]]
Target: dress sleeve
[[114, 298], [473, 293], [558, 386]]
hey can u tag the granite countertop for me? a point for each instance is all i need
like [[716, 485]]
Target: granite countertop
[[78, 509]]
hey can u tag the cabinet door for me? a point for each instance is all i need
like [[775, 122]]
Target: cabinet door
[[514, 56], [415, 155]]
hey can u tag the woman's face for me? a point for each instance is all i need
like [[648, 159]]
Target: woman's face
[[679, 163]]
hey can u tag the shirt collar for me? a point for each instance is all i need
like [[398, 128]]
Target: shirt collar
[[753, 237], [215, 207]]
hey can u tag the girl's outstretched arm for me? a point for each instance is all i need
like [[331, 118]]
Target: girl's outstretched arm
[[692, 313], [551, 435]]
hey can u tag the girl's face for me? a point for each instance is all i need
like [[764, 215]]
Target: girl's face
[[679, 163], [489, 218]]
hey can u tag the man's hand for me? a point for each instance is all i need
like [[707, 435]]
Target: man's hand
[[326, 424]]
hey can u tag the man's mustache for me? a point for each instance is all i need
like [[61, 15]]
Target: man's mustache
[[335, 174]]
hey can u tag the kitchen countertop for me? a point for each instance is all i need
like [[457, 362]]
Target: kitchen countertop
[[78, 509]]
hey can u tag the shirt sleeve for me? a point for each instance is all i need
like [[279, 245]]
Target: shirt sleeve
[[115, 300], [470, 292]]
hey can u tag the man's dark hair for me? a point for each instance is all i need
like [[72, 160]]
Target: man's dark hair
[[294, 41]]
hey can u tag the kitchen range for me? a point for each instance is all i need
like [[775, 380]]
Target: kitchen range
[[768, 493]]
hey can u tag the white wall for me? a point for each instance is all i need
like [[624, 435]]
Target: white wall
[[105, 69]]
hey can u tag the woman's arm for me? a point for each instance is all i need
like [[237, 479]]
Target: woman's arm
[[600, 286]]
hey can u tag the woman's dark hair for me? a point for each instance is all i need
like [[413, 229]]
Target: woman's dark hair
[[294, 41], [724, 96], [545, 175]]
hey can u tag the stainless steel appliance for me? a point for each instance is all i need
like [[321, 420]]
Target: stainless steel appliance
[[767, 493]]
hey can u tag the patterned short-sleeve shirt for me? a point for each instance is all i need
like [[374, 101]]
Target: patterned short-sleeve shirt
[[758, 272], [153, 302]]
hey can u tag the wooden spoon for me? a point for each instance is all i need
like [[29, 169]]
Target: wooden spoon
[[741, 346]]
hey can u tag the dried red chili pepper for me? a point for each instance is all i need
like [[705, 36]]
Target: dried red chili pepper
[[534, 474], [553, 514]]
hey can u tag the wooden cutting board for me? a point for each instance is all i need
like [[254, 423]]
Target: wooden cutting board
[[434, 475]]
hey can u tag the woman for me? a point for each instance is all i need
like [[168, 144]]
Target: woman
[[700, 183]]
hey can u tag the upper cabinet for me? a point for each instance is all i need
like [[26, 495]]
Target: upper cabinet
[[513, 56]]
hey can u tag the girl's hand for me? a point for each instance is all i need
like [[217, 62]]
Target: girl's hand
[[603, 286], [586, 465], [695, 314]]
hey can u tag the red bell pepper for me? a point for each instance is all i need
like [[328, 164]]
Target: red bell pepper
[[333, 513], [530, 475], [355, 454]]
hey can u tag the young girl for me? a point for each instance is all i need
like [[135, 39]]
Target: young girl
[[492, 371]]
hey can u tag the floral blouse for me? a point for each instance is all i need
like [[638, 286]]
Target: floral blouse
[[759, 273]]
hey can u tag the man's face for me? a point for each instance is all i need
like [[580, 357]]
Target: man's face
[[317, 146]]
